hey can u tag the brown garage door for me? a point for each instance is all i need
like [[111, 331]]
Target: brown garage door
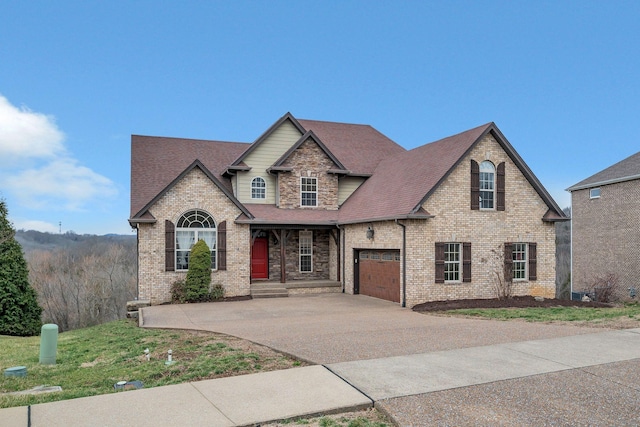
[[379, 274]]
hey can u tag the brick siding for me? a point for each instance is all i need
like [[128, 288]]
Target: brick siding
[[455, 222], [606, 235], [194, 191]]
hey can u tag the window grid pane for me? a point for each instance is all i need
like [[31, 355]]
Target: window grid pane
[[487, 185], [519, 261], [306, 251], [258, 188], [193, 226], [308, 191], [452, 262]]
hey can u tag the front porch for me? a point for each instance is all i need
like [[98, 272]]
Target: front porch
[[276, 289]]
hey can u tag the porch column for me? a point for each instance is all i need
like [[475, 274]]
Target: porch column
[[283, 264]]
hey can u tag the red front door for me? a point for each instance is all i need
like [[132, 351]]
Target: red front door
[[260, 258]]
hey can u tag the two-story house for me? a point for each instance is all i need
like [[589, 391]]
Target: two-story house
[[314, 206], [605, 228]]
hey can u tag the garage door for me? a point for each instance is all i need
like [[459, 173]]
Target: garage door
[[379, 274]]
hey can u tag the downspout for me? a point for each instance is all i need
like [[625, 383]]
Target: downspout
[[570, 252], [404, 263], [341, 241], [137, 261]]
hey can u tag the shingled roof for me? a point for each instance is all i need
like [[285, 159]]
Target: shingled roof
[[157, 161], [399, 181], [358, 147], [408, 177], [625, 170], [411, 177]]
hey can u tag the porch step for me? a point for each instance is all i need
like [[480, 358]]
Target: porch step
[[268, 291]]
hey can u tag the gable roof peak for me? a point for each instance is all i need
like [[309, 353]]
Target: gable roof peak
[[287, 117]]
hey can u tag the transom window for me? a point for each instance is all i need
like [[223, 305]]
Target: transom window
[[193, 226], [308, 191], [306, 251], [258, 188], [519, 266], [452, 262], [487, 185]]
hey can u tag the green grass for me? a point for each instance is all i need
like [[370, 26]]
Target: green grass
[[90, 361], [553, 314]]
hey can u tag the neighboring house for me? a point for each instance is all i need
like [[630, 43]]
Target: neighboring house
[[605, 212], [315, 206]]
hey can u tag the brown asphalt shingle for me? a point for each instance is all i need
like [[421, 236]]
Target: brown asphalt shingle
[[358, 147], [626, 168], [157, 161], [401, 182]]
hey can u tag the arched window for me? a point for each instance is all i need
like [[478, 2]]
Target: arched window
[[193, 226], [487, 185], [258, 188]]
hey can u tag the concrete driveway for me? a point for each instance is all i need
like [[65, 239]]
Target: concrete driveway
[[332, 328]]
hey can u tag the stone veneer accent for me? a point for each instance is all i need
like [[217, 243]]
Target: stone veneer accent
[[606, 235], [454, 221], [308, 160], [195, 190], [320, 259]]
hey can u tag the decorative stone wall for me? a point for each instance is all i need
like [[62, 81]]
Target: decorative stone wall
[[454, 221], [606, 235], [321, 257], [308, 161], [195, 190]]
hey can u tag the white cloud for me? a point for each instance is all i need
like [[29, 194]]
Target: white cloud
[[62, 184], [26, 134], [37, 169], [36, 225]]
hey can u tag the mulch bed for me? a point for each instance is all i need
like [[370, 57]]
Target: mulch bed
[[515, 302]]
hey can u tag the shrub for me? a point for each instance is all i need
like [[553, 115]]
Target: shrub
[[178, 292], [217, 292], [19, 309], [199, 275]]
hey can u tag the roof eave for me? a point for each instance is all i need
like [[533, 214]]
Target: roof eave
[[604, 182], [423, 216]]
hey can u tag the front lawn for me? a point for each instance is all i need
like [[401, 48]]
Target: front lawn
[[556, 314], [91, 360]]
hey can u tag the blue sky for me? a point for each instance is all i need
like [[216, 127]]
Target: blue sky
[[77, 78]]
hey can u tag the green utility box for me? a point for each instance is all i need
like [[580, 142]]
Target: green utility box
[[48, 344]]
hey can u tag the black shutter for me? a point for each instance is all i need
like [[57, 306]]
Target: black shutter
[[466, 262], [222, 245], [500, 184], [439, 262], [508, 262], [533, 261], [475, 185], [169, 246]]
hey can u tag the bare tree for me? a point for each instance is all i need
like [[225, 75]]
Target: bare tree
[[501, 272], [86, 284]]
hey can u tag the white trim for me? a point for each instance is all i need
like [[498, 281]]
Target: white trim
[[591, 196], [525, 261], [315, 179], [458, 262], [196, 231], [493, 173], [305, 236], [263, 188]]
